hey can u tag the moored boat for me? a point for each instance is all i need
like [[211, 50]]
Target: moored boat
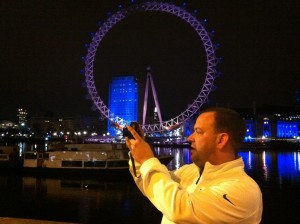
[[9, 158], [98, 162]]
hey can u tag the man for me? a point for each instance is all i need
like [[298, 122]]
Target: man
[[214, 188]]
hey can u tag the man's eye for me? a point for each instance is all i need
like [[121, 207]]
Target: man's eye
[[198, 131]]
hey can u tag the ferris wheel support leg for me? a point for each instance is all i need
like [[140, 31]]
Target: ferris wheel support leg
[[145, 101], [155, 99]]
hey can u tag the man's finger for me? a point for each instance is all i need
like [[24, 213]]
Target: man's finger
[[134, 133]]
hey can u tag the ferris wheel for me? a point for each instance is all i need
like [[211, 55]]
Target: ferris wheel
[[153, 6]]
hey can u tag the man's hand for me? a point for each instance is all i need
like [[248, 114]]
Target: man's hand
[[140, 150]]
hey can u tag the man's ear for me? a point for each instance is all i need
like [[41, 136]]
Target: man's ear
[[222, 139]]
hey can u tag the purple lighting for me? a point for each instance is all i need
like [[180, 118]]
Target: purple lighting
[[153, 6]]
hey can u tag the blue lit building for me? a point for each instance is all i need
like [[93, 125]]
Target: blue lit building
[[272, 128], [273, 122], [267, 128], [123, 100], [288, 129], [250, 130]]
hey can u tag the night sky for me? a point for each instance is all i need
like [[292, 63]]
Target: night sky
[[42, 43]]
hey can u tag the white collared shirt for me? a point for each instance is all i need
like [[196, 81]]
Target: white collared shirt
[[223, 194]]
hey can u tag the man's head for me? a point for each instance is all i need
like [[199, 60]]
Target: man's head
[[218, 135]]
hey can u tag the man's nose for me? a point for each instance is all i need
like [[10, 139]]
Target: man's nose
[[190, 138]]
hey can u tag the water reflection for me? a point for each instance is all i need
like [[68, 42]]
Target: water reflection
[[181, 156], [265, 166], [288, 166], [85, 201], [98, 201]]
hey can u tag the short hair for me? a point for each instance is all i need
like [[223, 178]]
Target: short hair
[[231, 122]]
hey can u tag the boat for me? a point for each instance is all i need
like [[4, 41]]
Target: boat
[[81, 163], [9, 158]]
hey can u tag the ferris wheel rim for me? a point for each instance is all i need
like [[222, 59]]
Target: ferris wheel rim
[[152, 6]]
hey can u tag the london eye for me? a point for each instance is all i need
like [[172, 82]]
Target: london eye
[[163, 7]]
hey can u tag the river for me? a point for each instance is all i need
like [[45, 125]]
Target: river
[[119, 201]]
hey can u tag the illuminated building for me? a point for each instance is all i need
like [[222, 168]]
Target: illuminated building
[[250, 130], [267, 130], [273, 122], [123, 100], [22, 117]]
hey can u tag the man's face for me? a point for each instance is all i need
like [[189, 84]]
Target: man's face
[[203, 140]]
